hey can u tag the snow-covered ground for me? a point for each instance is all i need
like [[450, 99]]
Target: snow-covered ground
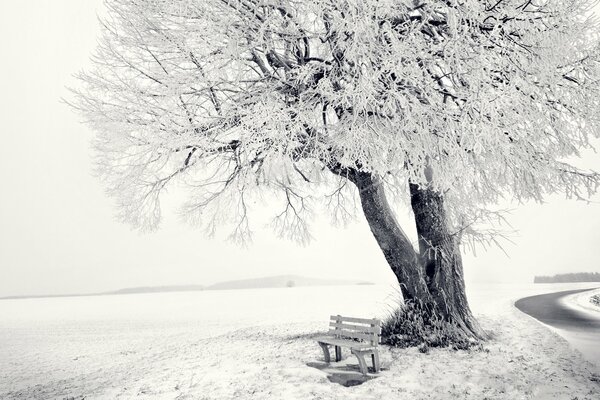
[[582, 301], [258, 344]]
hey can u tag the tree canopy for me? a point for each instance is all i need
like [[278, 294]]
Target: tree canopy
[[477, 99]]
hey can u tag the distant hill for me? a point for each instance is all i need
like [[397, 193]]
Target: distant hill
[[158, 289], [569, 278], [267, 282], [279, 282]]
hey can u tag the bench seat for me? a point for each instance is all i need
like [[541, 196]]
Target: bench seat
[[360, 335], [345, 343]]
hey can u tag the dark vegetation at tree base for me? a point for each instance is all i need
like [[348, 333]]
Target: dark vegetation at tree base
[[595, 300], [411, 326], [568, 278]]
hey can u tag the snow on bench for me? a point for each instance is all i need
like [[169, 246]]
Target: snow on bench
[[359, 334]]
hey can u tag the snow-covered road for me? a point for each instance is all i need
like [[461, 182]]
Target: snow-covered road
[[565, 312]]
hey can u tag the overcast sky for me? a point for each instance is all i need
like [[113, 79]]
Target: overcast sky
[[58, 233]]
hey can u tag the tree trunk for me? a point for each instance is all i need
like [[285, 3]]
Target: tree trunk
[[395, 245], [433, 277], [439, 255]]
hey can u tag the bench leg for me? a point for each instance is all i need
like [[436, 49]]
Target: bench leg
[[325, 348], [375, 358], [338, 353], [362, 364]]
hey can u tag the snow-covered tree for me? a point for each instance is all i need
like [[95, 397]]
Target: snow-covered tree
[[451, 105]]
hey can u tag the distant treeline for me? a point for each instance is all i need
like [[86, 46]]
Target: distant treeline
[[565, 278]]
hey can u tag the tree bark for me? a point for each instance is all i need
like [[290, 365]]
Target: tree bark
[[440, 258], [393, 242], [433, 276]]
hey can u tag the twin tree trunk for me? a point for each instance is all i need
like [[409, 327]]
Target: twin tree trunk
[[433, 276]]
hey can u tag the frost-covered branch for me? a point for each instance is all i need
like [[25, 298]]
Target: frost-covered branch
[[479, 100]]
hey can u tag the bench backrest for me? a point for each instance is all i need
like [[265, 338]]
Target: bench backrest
[[365, 330]]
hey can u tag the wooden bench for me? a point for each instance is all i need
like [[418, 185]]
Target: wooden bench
[[360, 335]]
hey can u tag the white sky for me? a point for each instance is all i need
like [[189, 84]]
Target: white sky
[[58, 234]]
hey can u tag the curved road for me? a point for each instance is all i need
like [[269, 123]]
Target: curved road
[[549, 309], [581, 329]]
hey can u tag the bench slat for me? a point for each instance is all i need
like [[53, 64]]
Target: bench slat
[[354, 335], [368, 321], [358, 328], [345, 343]]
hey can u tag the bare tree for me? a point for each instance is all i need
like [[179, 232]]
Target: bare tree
[[452, 105]]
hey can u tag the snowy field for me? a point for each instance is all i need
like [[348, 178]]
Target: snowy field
[[258, 344]]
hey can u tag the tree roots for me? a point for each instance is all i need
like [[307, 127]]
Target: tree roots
[[414, 324]]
